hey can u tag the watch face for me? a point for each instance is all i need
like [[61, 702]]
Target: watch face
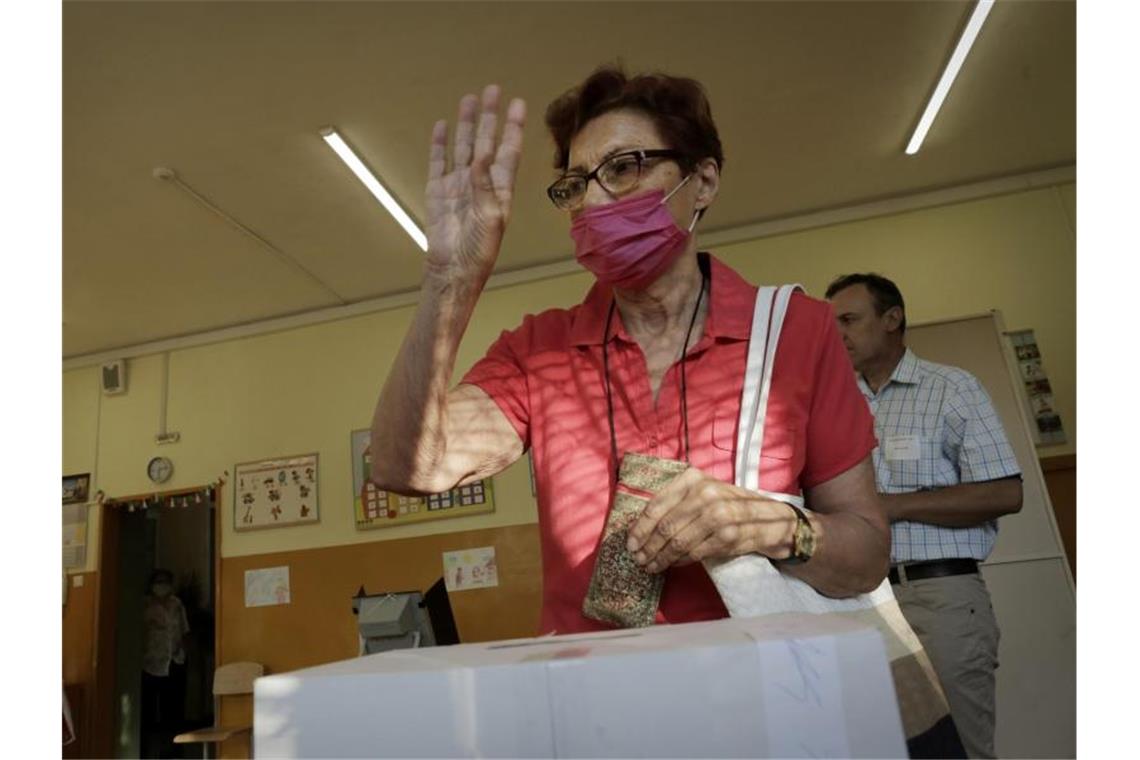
[[805, 541], [160, 469]]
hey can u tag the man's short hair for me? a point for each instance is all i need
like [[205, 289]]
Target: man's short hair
[[885, 293]]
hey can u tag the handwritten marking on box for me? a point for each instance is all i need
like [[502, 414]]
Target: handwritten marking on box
[[803, 694]]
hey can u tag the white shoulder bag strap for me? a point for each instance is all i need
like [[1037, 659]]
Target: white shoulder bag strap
[[750, 585], [767, 322]]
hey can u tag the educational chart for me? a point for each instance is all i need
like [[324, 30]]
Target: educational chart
[[377, 508], [1045, 421], [275, 493]]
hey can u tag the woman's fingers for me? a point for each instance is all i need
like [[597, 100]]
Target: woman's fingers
[[483, 164], [465, 132], [720, 528], [437, 153], [488, 121], [510, 144], [660, 505], [474, 140]]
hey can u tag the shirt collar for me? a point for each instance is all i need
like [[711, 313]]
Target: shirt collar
[[906, 372], [729, 315]]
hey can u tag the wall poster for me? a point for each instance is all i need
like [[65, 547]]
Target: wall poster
[[74, 536], [76, 488], [267, 586], [377, 508], [1045, 422], [470, 568], [274, 493]]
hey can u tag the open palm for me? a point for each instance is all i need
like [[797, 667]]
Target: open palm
[[469, 201]]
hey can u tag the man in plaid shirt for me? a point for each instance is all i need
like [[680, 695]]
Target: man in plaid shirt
[[945, 472]]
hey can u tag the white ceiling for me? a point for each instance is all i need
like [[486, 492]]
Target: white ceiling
[[815, 102]]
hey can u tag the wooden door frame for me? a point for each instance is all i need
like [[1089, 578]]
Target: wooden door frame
[[99, 703], [100, 706]]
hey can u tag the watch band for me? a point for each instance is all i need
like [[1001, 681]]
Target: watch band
[[798, 555]]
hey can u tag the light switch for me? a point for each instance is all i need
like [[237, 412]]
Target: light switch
[[77, 580]]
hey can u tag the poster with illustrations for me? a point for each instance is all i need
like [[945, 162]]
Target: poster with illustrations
[[275, 493], [377, 508], [470, 568], [1046, 423]]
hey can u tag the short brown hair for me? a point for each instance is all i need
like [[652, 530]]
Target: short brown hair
[[678, 107]]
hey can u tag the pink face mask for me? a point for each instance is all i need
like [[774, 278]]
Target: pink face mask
[[628, 243]]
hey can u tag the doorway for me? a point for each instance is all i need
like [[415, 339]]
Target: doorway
[[155, 634]]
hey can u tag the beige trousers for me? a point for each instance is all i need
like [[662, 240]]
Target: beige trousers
[[954, 619]]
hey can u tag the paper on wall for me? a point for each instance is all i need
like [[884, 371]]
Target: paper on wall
[[74, 535], [267, 586], [470, 568]]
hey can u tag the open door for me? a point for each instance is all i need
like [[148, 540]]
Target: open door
[[177, 532]]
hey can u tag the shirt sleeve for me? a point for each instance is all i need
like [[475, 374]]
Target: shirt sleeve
[[502, 376], [975, 438], [840, 428]]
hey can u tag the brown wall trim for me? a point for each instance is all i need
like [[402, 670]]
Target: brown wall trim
[[1059, 462]]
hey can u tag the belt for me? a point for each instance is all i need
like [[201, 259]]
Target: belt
[[939, 568]]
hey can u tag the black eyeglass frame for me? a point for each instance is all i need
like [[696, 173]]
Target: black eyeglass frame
[[641, 156]]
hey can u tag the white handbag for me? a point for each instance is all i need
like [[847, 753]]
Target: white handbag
[[751, 586]]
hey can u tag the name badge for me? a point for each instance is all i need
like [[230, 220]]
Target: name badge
[[901, 448]]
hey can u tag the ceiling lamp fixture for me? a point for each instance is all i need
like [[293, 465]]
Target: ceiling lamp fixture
[[340, 147], [981, 10]]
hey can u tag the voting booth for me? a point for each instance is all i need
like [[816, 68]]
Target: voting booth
[[404, 619], [796, 685]]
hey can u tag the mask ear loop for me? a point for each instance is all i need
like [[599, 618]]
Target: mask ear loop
[[697, 213], [672, 192]]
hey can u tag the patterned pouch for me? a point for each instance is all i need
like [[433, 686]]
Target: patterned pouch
[[621, 591]]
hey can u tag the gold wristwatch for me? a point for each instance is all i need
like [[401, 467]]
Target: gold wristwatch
[[803, 540]]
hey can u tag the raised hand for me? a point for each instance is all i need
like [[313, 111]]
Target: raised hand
[[469, 201]]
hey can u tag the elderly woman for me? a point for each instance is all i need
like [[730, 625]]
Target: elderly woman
[[652, 361]]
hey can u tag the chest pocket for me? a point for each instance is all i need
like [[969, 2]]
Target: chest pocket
[[779, 445]]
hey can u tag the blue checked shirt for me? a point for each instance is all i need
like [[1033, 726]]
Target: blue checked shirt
[[936, 427]]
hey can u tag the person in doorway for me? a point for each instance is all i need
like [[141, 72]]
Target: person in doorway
[[652, 361], [946, 473], [165, 631]]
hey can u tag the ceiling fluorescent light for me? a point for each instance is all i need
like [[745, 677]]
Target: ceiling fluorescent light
[[981, 10], [340, 147]]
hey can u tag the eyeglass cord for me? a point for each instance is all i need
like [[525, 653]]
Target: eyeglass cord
[[684, 386]]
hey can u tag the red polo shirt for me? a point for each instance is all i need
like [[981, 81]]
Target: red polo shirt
[[546, 376]]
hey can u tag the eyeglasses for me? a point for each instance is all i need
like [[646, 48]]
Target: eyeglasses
[[618, 174]]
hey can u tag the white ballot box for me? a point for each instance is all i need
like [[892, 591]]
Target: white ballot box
[[785, 686]]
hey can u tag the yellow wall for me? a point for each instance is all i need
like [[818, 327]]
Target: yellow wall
[[304, 390], [1015, 253], [80, 423]]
